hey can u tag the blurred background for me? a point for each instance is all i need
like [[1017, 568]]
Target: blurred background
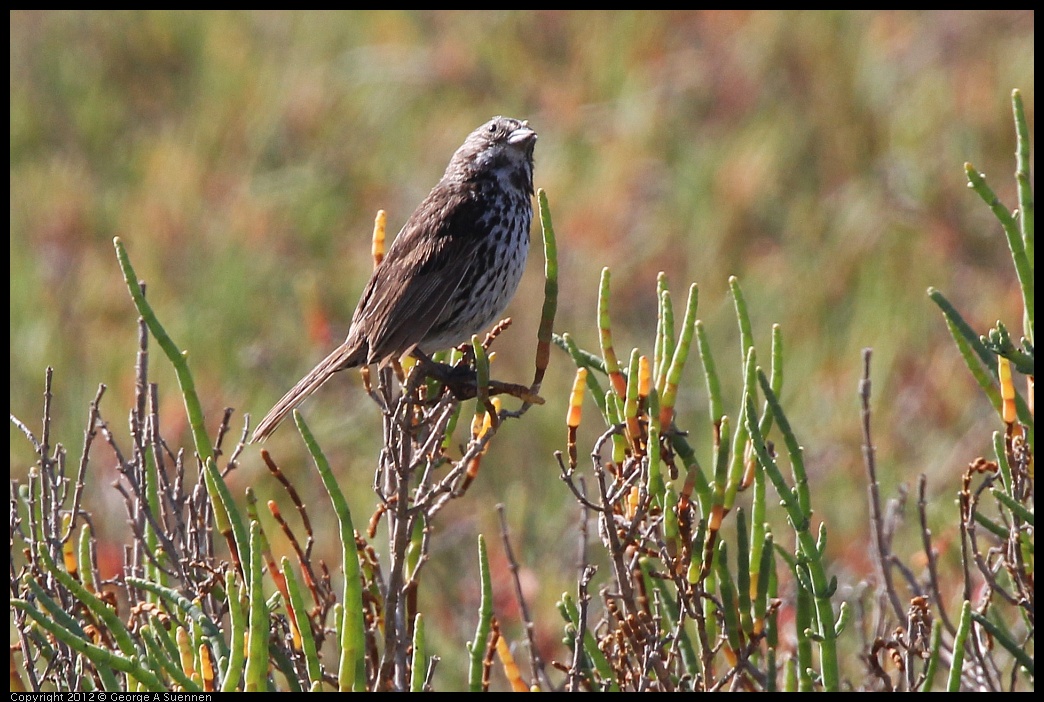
[[242, 158]]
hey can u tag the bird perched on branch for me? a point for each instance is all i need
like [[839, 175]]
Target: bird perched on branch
[[452, 269]]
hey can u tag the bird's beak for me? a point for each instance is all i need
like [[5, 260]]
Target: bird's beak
[[522, 135]]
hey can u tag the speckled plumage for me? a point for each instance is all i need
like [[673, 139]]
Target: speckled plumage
[[452, 269]]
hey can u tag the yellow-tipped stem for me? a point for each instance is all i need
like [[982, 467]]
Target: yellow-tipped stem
[[377, 245], [576, 400], [1007, 390], [605, 337]]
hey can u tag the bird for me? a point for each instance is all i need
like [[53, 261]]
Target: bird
[[451, 270]]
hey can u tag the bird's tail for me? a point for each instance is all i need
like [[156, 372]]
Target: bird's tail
[[344, 356]]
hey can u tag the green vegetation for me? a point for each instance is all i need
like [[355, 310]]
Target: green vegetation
[[240, 157]]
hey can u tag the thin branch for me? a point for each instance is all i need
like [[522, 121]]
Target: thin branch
[[534, 656], [930, 555], [876, 518]]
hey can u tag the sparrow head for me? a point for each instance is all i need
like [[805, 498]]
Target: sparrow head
[[502, 147]]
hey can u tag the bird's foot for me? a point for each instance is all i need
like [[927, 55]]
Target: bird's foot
[[462, 381]]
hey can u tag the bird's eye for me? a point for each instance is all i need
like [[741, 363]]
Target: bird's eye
[[492, 129]]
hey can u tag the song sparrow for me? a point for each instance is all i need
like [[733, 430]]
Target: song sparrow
[[452, 269]]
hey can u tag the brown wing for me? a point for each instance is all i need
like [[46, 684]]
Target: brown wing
[[424, 268]]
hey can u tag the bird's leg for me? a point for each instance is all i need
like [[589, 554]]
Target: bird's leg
[[462, 380], [450, 376]]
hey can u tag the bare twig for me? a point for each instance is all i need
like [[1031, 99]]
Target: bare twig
[[881, 550], [586, 573], [88, 438], [534, 655], [930, 554]]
